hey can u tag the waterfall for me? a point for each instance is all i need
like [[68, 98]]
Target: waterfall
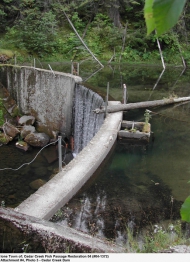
[[86, 123]]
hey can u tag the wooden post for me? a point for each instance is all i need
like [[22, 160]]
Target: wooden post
[[75, 68]]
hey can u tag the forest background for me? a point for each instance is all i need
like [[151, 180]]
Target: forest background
[[114, 30]]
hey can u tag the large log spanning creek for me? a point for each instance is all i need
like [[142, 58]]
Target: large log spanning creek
[[55, 100]]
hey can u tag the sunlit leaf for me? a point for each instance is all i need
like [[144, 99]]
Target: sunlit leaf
[[185, 210], [162, 15], [148, 14], [166, 14]]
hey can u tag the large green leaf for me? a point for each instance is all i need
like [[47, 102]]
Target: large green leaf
[[166, 14], [185, 210], [162, 15], [148, 14]]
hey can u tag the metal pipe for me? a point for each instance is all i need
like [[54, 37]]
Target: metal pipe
[[107, 98], [124, 94], [60, 153]]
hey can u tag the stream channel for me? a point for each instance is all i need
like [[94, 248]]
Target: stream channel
[[138, 185]]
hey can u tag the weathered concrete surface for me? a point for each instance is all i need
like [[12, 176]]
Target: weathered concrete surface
[[16, 228], [59, 190], [44, 94]]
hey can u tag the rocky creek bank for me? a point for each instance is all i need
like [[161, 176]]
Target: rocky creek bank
[[20, 142], [14, 126]]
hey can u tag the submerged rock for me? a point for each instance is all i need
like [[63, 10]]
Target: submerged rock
[[37, 139], [40, 171], [50, 154], [36, 184]]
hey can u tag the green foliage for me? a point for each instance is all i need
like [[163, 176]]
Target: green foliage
[[41, 29], [162, 15], [36, 33], [185, 210], [157, 241], [78, 23], [156, 238]]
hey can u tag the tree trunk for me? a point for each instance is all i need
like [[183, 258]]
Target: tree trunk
[[146, 104], [82, 40], [124, 39]]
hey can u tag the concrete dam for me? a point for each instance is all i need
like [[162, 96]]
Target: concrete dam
[[59, 102]]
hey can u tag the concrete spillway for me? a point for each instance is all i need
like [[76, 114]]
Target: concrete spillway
[[59, 190]]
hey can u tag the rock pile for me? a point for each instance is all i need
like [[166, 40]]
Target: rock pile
[[19, 128]]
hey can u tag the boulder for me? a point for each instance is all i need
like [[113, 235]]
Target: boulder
[[26, 130], [54, 135], [22, 145], [37, 139], [10, 130], [26, 120], [11, 106], [4, 139]]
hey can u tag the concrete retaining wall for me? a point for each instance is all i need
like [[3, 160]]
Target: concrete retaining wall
[[44, 94]]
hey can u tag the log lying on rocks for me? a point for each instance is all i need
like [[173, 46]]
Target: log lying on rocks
[[146, 104]]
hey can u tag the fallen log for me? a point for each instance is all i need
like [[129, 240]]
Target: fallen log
[[146, 104]]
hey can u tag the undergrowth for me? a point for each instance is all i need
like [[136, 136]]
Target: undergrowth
[[157, 239]]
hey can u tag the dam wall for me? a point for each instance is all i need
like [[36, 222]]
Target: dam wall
[[47, 95]]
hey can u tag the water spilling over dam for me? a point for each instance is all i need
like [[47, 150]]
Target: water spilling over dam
[[86, 122]]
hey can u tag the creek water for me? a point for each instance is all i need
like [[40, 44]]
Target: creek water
[[22, 173], [137, 185]]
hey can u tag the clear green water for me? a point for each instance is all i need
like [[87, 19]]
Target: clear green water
[[139, 185]]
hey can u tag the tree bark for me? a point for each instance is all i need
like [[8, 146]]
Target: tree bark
[[146, 104]]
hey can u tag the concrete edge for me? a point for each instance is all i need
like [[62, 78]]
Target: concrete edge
[[77, 79], [53, 237], [59, 190]]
